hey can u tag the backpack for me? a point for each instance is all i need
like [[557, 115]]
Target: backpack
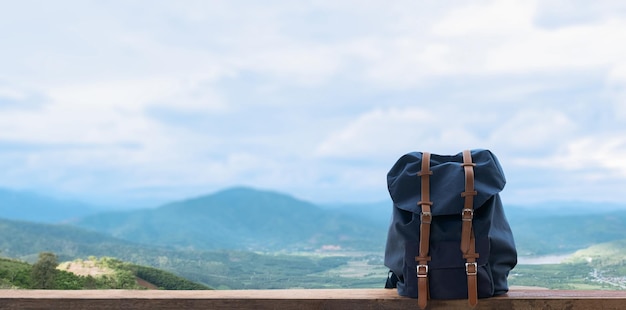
[[449, 237]]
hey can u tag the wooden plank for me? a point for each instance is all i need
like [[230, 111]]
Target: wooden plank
[[296, 299]]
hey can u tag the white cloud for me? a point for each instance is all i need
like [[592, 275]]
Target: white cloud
[[135, 95], [608, 153], [570, 48], [377, 131], [492, 38], [11, 93], [589, 168], [385, 133], [487, 18], [533, 131], [298, 63], [616, 84], [592, 156], [107, 111], [334, 90], [558, 13]]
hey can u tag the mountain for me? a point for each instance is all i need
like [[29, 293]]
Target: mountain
[[240, 218], [379, 212], [542, 231], [25, 240], [27, 206], [536, 233], [249, 219], [608, 255]]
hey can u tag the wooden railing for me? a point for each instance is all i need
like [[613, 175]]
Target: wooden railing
[[297, 299]]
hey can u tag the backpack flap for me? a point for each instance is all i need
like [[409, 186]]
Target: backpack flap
[[447, 180]]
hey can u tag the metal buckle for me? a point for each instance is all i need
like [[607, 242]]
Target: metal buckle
[[426, 215], [469, 213], [467, 269], [423, 269]]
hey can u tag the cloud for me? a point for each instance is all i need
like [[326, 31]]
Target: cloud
[[381, 133], [489, 39], [487, 18], [596, 158], [315, 98], [14, 97], [11, 94], [559, 13], [589, 168], [533, 131], [572, 48]]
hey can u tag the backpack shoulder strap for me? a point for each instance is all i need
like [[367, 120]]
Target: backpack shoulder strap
[[468, 243], [425, 220]]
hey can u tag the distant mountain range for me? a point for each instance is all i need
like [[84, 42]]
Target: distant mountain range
[[208, 239], [27, 206], [241, 218]]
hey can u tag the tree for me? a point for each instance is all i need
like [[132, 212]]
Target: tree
[[43, 274]]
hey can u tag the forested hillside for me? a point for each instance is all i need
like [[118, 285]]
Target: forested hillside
[[103, 273], [543, 233]]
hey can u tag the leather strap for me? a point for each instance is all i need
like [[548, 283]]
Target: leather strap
[[425, 220], [471, 269], [468, 242]]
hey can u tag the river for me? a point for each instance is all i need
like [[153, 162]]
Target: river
[[540, 260]]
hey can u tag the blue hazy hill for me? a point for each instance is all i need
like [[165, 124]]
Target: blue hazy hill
[[240, 218], [27, 206], [250, 219]]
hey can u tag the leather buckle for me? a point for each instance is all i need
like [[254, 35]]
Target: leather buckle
[[426, 217], [422, 271], [474, 268], [467, 214]]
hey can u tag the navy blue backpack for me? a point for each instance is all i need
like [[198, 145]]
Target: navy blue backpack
[[449, 237]]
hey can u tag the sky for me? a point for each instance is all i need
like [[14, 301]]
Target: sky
[[139, 103]]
